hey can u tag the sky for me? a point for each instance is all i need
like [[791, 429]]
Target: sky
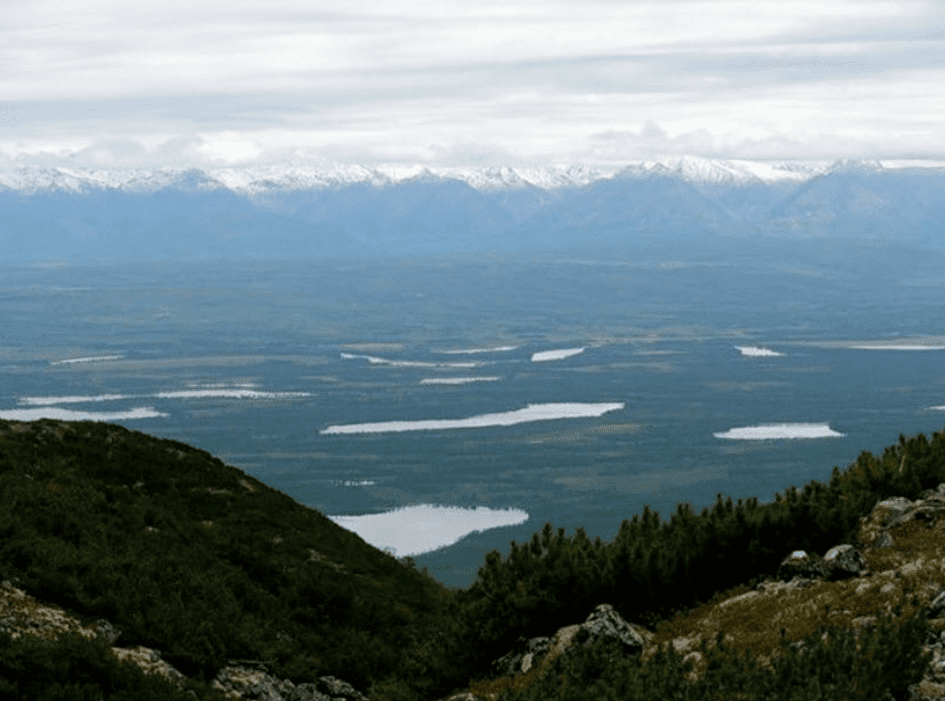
[[204, 83]]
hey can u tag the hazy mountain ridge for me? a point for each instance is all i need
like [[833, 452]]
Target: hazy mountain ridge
[[258, 179], [689, 207]]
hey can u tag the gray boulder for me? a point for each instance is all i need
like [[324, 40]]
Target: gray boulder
[[336, 690], [105, 629], [605, 624], [890, 510], [937, 607], [925, 512], [890, 513], [843, 562], [935, 495], [306, 692], [252, 683], [325, 689], [249, 680], [522, 657], [801, 563]]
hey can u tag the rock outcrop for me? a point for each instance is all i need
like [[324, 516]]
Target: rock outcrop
[[840, 562], [521, 658], [843, 562], [891, 513], [21, 614], [250, 681], [801, 563], [604, 624]]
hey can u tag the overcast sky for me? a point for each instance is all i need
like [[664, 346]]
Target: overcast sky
[[105, 83]]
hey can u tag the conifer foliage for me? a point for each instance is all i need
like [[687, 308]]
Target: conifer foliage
[[654, 567]]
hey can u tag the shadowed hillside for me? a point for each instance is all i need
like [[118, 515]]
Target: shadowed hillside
[[197, 559]]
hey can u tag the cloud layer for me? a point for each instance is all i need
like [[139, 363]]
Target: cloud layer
[[209, 83]]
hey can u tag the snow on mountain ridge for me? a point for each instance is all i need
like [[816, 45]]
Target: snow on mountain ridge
[[78, 180], [261, 179], [547, 178], [732, 172]]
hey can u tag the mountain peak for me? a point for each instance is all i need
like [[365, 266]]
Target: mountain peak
[[729, 172], [855, 164], [256, 179]]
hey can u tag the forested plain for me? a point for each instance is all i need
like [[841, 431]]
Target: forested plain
[[194, 558]]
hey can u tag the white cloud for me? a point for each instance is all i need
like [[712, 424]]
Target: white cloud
[[230, 147], [205, 82]]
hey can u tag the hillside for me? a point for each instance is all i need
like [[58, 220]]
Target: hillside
[[199, 560], [115, 544]]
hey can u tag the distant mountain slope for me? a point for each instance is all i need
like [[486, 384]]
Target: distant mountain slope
[[622, 215], [686, 207], [858, 201]]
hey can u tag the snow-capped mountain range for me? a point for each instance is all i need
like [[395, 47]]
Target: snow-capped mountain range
[[678, 208], [254, 179]]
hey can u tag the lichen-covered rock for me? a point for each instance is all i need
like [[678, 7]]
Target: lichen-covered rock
[[694, 659], [776, 586], [926, 690], [890, 513], [924, 512], [937, 607], [251, 682], [522, 657], [801, 563], [890, 510], [105, 629], [934, 495], [602, 625], [149, 661], [21, 614], [605, 623], [843, 562], [684, 644], [242, 682], [336, 690], [306, 692], [739, 599]]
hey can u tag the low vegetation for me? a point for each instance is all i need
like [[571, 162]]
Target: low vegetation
[[194, 558], [832, 666]]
